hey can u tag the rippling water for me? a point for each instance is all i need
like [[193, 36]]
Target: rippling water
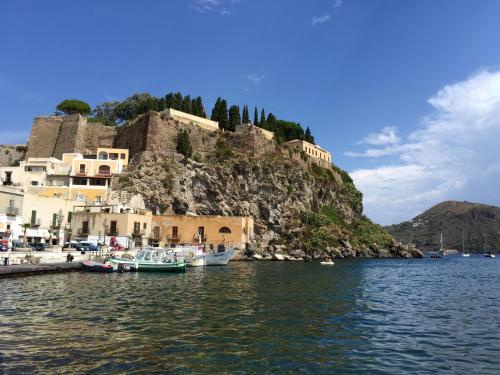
[[365, 316]]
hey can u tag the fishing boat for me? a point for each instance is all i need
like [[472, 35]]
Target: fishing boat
[[196, 257], [91, 266], [153, 259]]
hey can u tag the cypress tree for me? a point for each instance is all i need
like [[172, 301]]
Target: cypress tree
[[234, 117], [246, 116], [308, 136], [219, 113], [262, 119], [187, 106], [184, 144], [256, 117]]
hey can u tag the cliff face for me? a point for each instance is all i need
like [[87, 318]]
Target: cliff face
[[479, 223], [298, 207]]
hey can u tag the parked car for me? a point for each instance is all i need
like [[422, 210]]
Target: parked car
[[3, 247], [38, 246], [73, 245], [16, 244], [89, 246]]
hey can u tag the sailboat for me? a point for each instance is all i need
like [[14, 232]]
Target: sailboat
[[437, 254], [464, 253], [488, 254]]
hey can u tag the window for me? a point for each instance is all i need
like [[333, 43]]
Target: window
[[80, 197], [85, 226], [54, 219], [175, 232], [79, 181], [70, 216], [122, 156], [112, 228], [33, 217], [224, 230], [8, 226], [144, 226], [137, 227], [11, 202], [156, 232], [201, 232], [82, 169], [104, 169], [34, 183], [113, 156], [98, 199], [103, 155]]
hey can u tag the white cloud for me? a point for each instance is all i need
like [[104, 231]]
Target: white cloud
[[387, 136], [337, 4], [203, 6], [319, 20], [225, 12], [453, 155], [255, 78]]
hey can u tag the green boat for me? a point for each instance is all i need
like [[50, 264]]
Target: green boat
[[153, 259]]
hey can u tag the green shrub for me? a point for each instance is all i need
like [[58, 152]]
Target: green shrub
[[332, 214], [223, 150], [184, 144]]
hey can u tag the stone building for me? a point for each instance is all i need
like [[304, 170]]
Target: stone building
[[107, 223], [250, 128], [208, 230], [314, 151]]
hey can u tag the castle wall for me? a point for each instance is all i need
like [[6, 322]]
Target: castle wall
[[52, 136]]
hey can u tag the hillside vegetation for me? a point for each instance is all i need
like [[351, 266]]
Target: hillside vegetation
[[479, 223]]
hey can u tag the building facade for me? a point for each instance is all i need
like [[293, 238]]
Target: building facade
[[111, 224], [314, 151], [186, 118], [208, 230], [11, 206]]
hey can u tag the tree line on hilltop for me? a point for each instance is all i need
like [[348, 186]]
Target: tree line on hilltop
[[114, 113]]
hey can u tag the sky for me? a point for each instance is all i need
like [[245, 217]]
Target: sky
[[404, 94]]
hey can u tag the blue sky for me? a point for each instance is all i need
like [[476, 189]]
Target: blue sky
[[361, 74]]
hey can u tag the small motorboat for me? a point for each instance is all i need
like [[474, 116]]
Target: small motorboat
[[91, 266], [327, 263], [153, 259]]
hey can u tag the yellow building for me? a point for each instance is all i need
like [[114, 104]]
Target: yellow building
[[113, 154], [102, 223], [210, 230], [314, 151]]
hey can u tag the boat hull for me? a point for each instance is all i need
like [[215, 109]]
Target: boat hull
[[218, 259], [151, 266], [91, 266]]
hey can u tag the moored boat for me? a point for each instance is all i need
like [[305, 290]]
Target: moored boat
[[91, 266], [153, 259]]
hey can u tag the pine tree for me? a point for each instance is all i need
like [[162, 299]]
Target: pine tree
[[234, 117], [256, 117], [246, 116], [262, 119]]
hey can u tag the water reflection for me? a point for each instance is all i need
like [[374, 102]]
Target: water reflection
[[358, 316]]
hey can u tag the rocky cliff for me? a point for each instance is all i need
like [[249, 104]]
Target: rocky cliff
[[478, 223], [299, 208]]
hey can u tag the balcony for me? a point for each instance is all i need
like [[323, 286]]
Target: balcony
[[140, 232], [12, 211], [36, 222]]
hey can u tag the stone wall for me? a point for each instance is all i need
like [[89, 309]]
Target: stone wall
[[56, 135]]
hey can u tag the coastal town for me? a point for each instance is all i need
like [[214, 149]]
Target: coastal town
[[61, 194]]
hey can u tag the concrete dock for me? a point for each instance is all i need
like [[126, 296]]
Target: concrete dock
[[37, 269]]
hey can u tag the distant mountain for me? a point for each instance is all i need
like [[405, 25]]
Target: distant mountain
[[480, 224]]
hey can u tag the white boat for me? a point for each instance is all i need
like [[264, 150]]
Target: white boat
[[487, 254], [330, 263], [465, 254], [152, 259], [196, 257]]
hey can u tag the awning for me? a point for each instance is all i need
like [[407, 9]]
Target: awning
[[42, 233]]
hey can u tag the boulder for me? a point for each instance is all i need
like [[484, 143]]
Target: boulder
[[278, 257]]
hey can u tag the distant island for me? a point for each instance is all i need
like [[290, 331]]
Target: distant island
[[478, 224]]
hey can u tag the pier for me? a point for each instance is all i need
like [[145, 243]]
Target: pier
[[37, 269]]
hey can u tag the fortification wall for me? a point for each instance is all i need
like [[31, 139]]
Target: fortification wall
[[56, 135], [44, 135]]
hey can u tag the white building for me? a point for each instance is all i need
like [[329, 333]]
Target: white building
[[186, 118]]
